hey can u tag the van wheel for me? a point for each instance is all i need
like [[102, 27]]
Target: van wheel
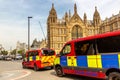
[[36, 68], [23, 66], [59, 71], [114, 76]]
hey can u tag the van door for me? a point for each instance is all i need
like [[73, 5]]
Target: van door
[[65, 51], [67, 59]]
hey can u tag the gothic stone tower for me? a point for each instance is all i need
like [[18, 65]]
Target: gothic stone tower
[[69, 27]]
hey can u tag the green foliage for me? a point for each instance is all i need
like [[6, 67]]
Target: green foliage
[[13, 52], [21, 51], [4, 52]]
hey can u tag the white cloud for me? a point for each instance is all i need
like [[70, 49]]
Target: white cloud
[[105, 7]]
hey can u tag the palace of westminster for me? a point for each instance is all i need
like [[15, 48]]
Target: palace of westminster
[[70, 27]]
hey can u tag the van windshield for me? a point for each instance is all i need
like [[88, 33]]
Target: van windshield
[[48, 52]]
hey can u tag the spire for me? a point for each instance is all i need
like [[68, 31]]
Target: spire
[[75, 8], [85, 15], [66, 17], [95, 8], [52, 5], [85, 18], [96, 17], [52, 18], [69, 14], [96, 13]]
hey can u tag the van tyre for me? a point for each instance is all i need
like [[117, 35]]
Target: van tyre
[[114, 76], [36, 68], [23, 66], [59, 71]]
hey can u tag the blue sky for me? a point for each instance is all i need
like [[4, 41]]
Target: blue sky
[[14, 13]]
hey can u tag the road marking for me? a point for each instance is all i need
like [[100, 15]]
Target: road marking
[[26, 73], [15, 74]]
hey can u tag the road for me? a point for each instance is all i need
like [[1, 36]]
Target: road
[[12, 70]]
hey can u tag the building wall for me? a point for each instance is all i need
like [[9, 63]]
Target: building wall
[[110, 24], [59, 31]]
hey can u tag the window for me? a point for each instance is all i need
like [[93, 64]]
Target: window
[[84, 48], [34, 53], [48, 52], [109, 44], [66, 49], [111, 27]]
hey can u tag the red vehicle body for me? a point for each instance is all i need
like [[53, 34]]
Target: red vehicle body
[[94, 56], [39, 58]]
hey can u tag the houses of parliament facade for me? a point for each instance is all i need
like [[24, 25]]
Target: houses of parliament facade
[[70, 27]]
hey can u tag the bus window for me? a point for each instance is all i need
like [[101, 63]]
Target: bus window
[[108, 44], [84, 48]]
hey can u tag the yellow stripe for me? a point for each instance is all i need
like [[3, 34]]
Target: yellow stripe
[[92, 61], [71, 61], [43, 57], [57, 61], [30, 58], [99, 62], [119, 59], [37, 58], [74, 61], [47, 58]]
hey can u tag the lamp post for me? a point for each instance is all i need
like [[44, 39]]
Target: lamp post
[[29, 32]]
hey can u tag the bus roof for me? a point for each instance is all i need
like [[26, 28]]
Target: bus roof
[[108, 34]]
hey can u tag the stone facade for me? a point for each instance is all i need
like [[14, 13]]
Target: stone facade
[[35, 44], [72, 26], [110, 24], [43, 43]]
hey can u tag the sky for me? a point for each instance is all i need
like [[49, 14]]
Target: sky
[[14, 16]]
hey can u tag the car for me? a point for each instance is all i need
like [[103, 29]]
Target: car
[[1, 57], [18, 57], [8, 58]]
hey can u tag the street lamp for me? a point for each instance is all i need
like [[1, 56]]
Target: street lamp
[[29, 32]]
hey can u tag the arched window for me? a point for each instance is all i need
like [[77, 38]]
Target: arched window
[[77, 32]]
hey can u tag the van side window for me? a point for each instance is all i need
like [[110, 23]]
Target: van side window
[[66, 50], [84, 48], [108, 44]]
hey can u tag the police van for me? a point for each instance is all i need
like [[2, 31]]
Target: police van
[[94, 56], [39, 59]]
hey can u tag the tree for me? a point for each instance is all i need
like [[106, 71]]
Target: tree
[[13, 52], [4, 52], [21, 52]]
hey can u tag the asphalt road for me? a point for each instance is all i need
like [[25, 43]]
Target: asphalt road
[[12, 70]]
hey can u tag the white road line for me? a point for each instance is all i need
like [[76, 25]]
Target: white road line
[[10, 74], [26, 74]]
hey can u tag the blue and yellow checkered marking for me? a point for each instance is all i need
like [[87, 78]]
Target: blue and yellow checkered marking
[[82, 61], [91, 61], [63, 61], [110, 61], [33, 58]]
